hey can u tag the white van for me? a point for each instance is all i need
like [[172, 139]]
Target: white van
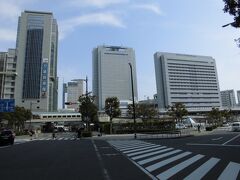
[[236, 126]]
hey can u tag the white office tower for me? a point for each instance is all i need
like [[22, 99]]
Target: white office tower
[[228, 98], [74, 91], [7, 74], [112, 74], [191, 80], [37, 42], [238, 97]]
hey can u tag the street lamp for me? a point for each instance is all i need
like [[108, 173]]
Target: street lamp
[[134, 116]]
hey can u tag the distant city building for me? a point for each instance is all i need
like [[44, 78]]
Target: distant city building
[[228, 98], [238, 97], [36, 48], [74, 91], [7, 74], [191, 80], [112, 75], [153, 102], [64, 95]]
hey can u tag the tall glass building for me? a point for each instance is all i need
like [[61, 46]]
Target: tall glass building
[[189, 79], [112, 75], [36, 48]]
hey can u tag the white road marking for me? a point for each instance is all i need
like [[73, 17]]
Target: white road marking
[[140, 149], [200, 172], [197, 144], [230, 172], [231, 139], [174, 170], [134, 147], [216, 139], [150, 154], [158, 157], [167, 161], [149, 150]]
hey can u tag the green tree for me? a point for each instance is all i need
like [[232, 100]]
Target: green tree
[[144, 111], [227, 114], [88, 109], [215, 116], [17, 119], [112, 109], [177, 111], [233, 8]]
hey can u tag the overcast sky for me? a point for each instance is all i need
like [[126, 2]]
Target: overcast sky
[[186, 26]]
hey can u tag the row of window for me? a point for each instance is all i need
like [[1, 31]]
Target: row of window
[[193, 74], [196, 83], [194, 89], [171, 68], [61, 116], [188, 79]]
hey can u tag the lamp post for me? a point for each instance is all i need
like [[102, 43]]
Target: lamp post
[[31, 103], [134, 115]]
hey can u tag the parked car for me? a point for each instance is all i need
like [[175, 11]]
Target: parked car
[[236, 126], [7, 137]]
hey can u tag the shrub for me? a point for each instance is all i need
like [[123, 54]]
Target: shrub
[[86, 134], [209, 128]]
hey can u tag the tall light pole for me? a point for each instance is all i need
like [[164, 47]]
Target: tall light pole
[[134, 115]]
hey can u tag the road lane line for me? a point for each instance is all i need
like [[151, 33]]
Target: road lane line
[[167, 161], [145, 151], [174, 170], [200, 172], [142, 162], [197, 144], [231, 139], [150, 154], [105, 172], [216, 139], [140, 149], [230, 172]]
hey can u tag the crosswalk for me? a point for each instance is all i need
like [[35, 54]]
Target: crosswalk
[[57, 139], [164, 162]]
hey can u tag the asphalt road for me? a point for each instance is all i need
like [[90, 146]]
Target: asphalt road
[[208, 157], [66, 159]]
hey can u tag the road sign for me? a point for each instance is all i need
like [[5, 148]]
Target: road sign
[[7, 105]]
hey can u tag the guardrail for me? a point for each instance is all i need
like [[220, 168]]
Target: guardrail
[[164, 134]]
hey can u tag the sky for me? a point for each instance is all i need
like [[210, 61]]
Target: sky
[[188, 26]]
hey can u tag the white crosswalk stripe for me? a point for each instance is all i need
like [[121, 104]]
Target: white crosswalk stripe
[[230, 172], [56, 139], [203, 169], [152, 158]]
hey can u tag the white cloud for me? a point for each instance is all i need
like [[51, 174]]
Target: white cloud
[[7, 35], [9, 10], [149, 7], [108, 19], [95, 3]]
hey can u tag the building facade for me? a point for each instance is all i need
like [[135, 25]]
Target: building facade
[[191, 80], [228, 99], [112, 74], [238, 97], [74, 90], [7, 74], [36, 48]]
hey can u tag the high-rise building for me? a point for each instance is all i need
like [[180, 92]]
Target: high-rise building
[[112, 74], [228, 98], [7, 74], [36, 48], [64, 95], [74, 91], [238, 97], [191, 80]]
